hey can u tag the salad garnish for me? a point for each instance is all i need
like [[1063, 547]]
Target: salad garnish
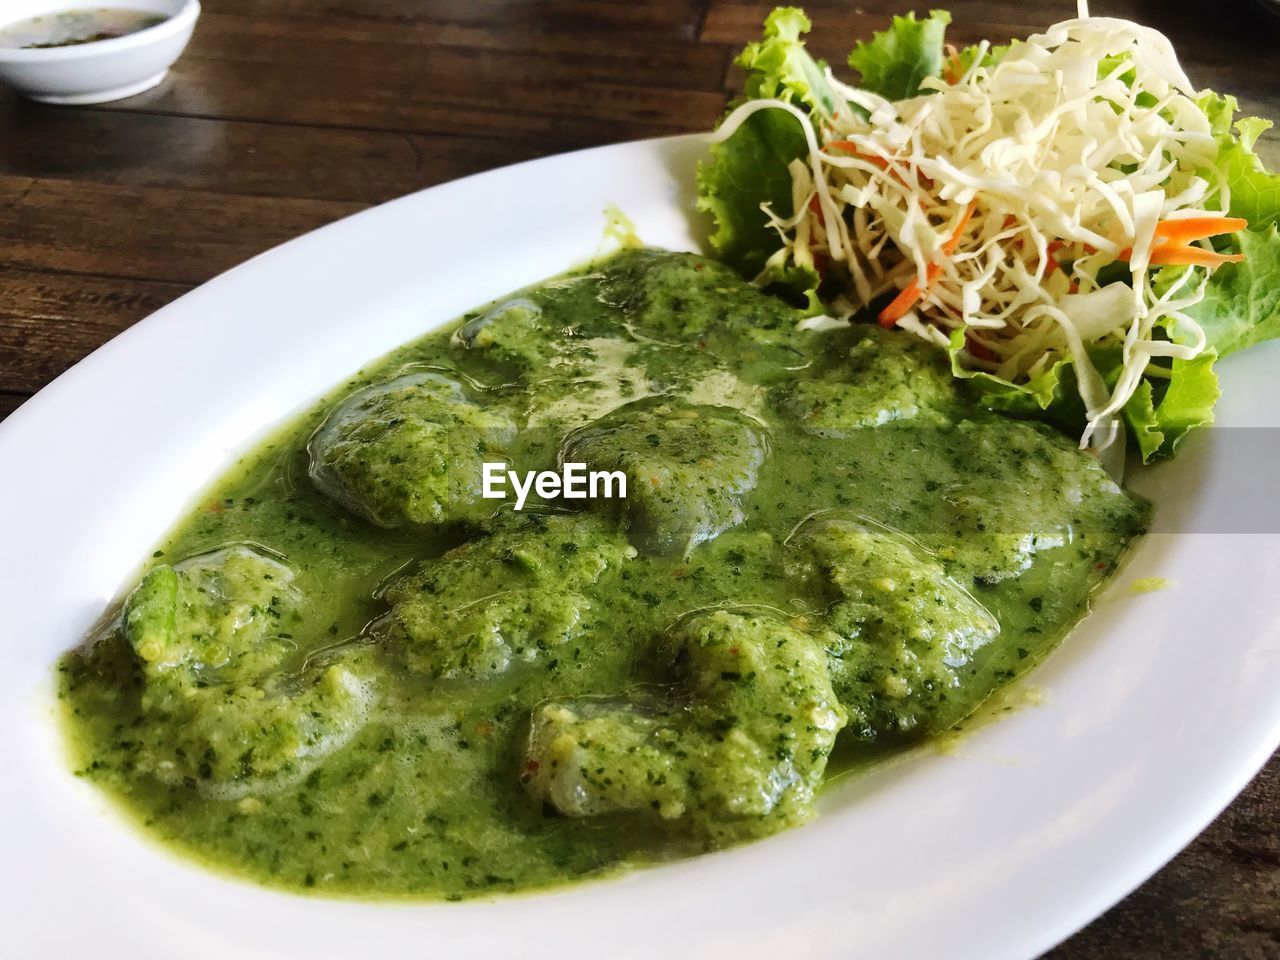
[[1080, 228]]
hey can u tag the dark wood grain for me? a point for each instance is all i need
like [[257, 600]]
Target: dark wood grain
[[146, 232], [450, 92], [480, 22], [283, 116], [233, 157], [10, 402], [512, 47], [48, 321], [517, 77]]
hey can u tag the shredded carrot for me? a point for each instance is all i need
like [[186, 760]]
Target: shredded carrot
[[1174, 239], [955, 68], [851, 147], [954, 240], [1197, 228], [905, 300], [909, 294], [1191, 256], [1050, 256]]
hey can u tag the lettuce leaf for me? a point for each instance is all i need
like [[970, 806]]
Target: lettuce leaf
[[1255, 192], [750, 168], [994, 54], [1159, 414], [895, 61], [743, 173], [780, 68], [1158, 419], [1031, 398], [1241, 304], [1220, 108]]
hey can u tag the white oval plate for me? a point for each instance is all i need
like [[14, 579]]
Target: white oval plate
[[1155, 713]]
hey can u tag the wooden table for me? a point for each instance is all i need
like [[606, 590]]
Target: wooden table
[[286, 114]]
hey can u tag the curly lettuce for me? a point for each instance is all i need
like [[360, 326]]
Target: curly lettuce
[[1255, 192], [749, 170], [1159, 415], [895, 62], [1241, 305]]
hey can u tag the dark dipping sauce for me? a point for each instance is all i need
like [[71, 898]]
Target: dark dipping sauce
[[346, 672], [75, 27]]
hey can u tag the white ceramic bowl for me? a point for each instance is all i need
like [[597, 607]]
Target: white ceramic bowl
[[103, 70]]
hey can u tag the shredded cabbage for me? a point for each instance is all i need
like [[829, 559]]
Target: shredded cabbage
[[1067, 149]]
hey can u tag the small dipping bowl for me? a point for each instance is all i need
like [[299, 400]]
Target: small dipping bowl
[[100, 70]]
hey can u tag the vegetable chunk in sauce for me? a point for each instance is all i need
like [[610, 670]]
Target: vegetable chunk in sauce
[[409, 452], [215, 617], [509, 335], [1020, 489], [510, 597], [881, 379], [210, 635], [902, 628], [688, 468], [741, 750]]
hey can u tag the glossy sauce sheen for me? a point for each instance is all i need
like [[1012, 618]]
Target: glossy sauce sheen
[[823, 534]]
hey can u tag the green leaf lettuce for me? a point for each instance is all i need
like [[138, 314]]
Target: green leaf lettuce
[[1241, 304], [895, 61], [750, 168], [1255, 192]]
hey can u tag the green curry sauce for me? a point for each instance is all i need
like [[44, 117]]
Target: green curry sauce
[[347, 672]]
